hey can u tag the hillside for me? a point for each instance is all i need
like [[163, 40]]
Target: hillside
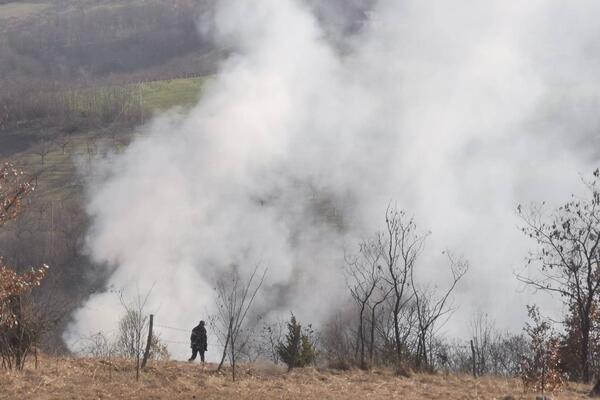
[[68, 378], [54, 220], [77, 79], [90, 39]]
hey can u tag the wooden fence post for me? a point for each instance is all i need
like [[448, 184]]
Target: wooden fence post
[[147, 352]]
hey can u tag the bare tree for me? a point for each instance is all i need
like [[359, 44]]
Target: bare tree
[[568, 257], [269, 337], [42, 149], [403, 244], [379, 299], [63, 141], [364, 275], [430, 309], [132, 327], [235, 296], [386, 330], [506, 353], [482, 330]]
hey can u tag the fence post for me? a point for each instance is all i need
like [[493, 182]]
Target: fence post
[[147, 352]]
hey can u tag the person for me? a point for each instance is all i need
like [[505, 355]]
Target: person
[[198, 340]]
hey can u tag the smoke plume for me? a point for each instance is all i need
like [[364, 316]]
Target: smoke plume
[[456, 111]]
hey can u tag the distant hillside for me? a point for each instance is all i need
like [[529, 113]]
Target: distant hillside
[[86, 39]]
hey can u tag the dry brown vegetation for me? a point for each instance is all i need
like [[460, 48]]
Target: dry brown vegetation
[[69, 378]]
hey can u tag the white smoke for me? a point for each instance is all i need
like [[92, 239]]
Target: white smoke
[[458, 111]]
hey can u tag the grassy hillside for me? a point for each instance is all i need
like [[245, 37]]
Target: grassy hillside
[[69, 378], [21, 9], [57, 174]]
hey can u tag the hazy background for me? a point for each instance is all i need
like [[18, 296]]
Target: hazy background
[[314, 118]]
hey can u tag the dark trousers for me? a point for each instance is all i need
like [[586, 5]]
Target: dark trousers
[[195, 352]]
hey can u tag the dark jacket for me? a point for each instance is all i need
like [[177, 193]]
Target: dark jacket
[[198, 338]]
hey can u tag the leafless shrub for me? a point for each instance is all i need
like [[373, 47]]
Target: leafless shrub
[[130, 341], [433, 309], [267, 338], [97, 345], [398, 318], [235, 296], [365, 280], [18, 339], [337, 344]]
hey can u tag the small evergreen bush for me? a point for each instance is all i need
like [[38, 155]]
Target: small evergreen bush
[[297, 349]]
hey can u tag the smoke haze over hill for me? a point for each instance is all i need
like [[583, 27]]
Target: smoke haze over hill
[[456, 112]]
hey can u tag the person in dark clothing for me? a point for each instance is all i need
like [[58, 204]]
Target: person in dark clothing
[[198, 340]]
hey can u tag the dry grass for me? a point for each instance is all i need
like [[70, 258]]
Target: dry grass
[[68, 378]]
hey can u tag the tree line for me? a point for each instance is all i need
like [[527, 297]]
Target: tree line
[[395, 319]]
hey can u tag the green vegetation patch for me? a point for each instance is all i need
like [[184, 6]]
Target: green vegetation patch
[[162, 95], [21, 9]]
